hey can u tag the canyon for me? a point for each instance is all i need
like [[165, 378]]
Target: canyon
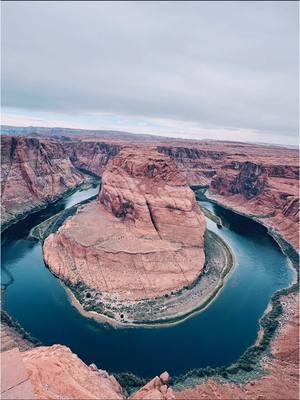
[[144, 186], [222, 168]]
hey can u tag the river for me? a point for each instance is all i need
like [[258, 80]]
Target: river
[[217, 336]]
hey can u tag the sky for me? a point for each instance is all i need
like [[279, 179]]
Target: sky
[[217, 70]]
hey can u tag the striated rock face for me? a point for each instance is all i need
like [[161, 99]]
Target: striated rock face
[[250, 182], [143, 237], [91, 155], [248, 188], [33, 172], [198, 164], [145, 187], [56, 373]]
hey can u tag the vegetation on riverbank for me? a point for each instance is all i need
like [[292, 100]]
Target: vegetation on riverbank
[[6, 319], [52, 224]]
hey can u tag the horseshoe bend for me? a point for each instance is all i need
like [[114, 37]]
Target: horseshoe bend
[[142, 238], [150, 200], [143, 249]]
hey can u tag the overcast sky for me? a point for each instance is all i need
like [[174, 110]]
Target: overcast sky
[[222, 70]]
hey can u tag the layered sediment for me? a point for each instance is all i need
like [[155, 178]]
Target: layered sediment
[[143, 238], [92, 156], [33, 172], [249, 189]]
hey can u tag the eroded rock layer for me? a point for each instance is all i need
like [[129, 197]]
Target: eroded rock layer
[[252, 189], [90, 155], [33, 172], [141, 239]]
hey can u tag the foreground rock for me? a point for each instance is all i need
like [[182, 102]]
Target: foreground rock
[[156, 389], [55, 373], [144, 236], [33, 172], [15, 383]]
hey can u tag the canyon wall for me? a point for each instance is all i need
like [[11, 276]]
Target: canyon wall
[[33, 172], [216, 165], [90, 155], [260, 181], [262, 192], [36, 170]]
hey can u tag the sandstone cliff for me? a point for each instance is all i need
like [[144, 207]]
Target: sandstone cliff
[[33, 172], [90, 155], [144, 236], [253, 189]]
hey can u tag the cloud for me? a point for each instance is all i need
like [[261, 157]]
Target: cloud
[[213, 65]]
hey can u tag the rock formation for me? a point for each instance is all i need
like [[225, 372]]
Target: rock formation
[[156, 389], [33, 172], [250, 181], [57, 373], [144, 236], [205, 163], [128, 242], [90, 155], [248, 188]]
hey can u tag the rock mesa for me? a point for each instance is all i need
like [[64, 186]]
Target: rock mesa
[[142, 238]]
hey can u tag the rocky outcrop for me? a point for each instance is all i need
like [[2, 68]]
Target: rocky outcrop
[[33, 172], [144, 236], [57, 373], [156, 389]]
